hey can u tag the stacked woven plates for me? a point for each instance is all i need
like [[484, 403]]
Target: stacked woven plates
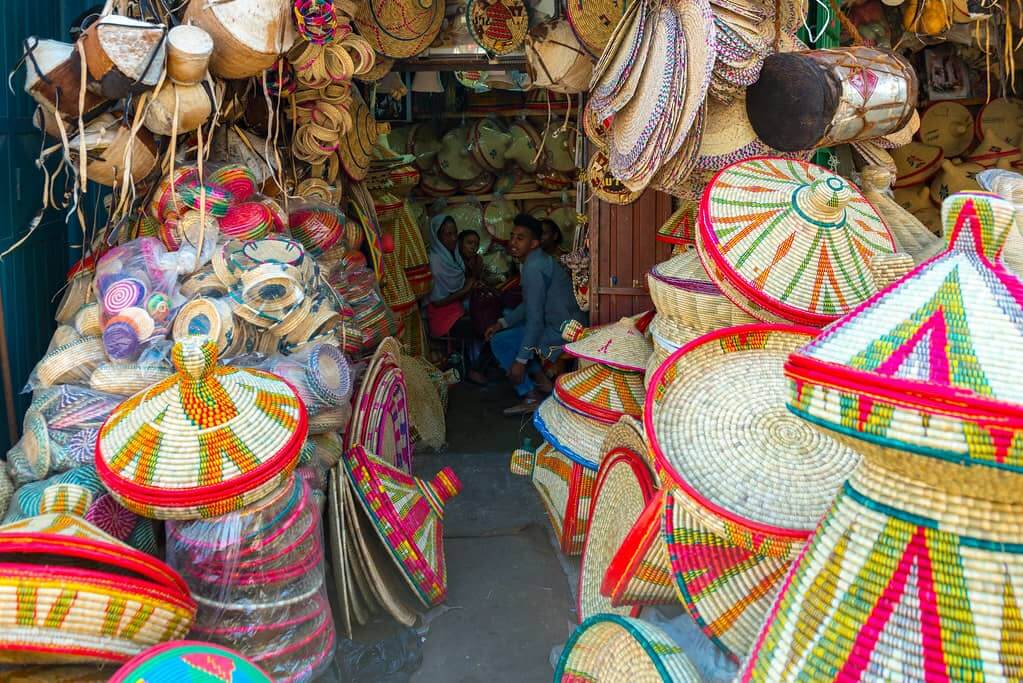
[[258, 576], [208, 440], [924, 380], [652, 78], [386, 538], [380, 421], [746, 480], [574, 422]]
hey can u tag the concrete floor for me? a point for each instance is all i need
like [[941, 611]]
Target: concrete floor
[[509, 597]]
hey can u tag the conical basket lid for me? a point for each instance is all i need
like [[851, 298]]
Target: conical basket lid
[[619, 345], [789, 241], [574, 435], [601, 392], [680, 228], [184, 660], [931, 364], [406, 513], [203, 442], [716, 420]]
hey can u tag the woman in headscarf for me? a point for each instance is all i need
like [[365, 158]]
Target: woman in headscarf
[[450, 284]]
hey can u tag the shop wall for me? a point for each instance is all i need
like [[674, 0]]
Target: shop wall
[[623, 248], [30, 276]]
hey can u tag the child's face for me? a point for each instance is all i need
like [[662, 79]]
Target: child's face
[[470, 245]]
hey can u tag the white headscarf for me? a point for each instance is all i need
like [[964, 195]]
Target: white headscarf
[[447, 266]]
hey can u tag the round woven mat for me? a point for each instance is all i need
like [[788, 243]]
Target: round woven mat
[[604, 185], [593, 21], [498, 26], [716, 418], [356, 148]]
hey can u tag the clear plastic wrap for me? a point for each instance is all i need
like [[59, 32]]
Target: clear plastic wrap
[[316, 225], [136, 287], [258, 577]]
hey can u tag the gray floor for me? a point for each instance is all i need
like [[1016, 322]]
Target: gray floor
[[509, 598]]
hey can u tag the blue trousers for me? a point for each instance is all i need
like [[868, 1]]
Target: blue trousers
[[505, 346]]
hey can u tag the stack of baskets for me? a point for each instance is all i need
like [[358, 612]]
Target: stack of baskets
[[574, 421]]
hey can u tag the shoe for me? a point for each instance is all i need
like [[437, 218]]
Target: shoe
[[527, 407]]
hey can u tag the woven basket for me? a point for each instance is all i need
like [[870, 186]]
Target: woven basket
[[380, 417], [426, 409], [399, 28], [87, 620], [71, 363], [178, 660], [248, 35], [125, 379], [601, 392], [680, 228], [619, 346], [624, 486], [577, 437], [639, 573], [607, 648], [167, 453], [566, 489], [754, 478], [682, 291], [799, 270], [498, 26], [406, 514]]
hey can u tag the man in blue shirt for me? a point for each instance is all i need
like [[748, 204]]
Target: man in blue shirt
[[533, 329]]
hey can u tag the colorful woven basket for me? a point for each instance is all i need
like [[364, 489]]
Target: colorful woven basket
[[619, 346], [924, 381], [565, 487], [208, 440], [789, 241], [498, 26], [188, 660], [577, 437], [625, 484], [639, 573], [755, 477], [607, 648], [110, 601], [681, 226], [406, 513], [681, 290], [601, 392]]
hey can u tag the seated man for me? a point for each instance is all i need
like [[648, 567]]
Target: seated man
[[533, 328]]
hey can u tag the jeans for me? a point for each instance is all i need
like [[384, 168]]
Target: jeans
[[505, 346]]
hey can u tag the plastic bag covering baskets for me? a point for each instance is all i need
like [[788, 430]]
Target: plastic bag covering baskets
[[204, 442], [71, 593], [916, 571], [750, 480], [180, 660], [608, 648], [406, 513], [789, 241]]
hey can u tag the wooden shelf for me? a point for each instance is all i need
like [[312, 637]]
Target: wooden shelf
[[507, 114], [512, 196]]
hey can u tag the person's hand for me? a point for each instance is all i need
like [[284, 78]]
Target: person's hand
[[491, 331], [517, 372]]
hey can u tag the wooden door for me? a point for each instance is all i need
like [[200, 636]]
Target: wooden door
[[623, 247]]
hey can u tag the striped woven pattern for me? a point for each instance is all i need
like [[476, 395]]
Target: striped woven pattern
[[203, 442], [406, 513], [608, 648], [640, 571], [928, 365], [601, 392], [101, 601], [789, 241], [680, 228], [566, 491]]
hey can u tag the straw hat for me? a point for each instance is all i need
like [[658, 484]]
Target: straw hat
[[406, 514], [604, 185], [916, 163], [681, 290], [498, 26], [98, 575], [750, 476], [619, 345], [398, 28], [795, 271], [624, 486], [259, 417], [565, 488], [179, 659], [608, 648], [1002, 116], [601, 392]]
